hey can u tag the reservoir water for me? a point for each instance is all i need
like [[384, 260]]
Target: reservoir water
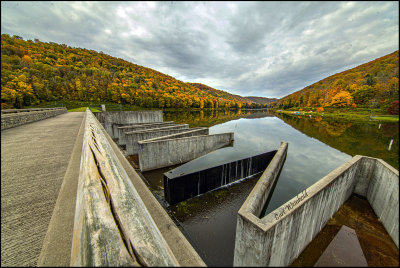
[[316, 147]]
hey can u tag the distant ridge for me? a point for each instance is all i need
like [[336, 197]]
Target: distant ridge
[[374, 84], [261, 100]]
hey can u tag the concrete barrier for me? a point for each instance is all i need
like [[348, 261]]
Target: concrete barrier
[[123, 129], [127, 117], [178, 187], [131, 138], [169, 150], [112, 225], [278, 238], [17, 117]]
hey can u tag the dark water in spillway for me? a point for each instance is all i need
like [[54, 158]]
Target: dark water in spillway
[[316, 147]]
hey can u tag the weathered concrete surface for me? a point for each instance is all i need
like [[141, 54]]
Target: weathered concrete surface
[[115, 127], [166, 151], [131, 138], [383, 195], [110, 212], [343, 251], [182, 249], [279, 237], [128, 117], [179, 187], [34, 160], [17, 117], [122, 130]]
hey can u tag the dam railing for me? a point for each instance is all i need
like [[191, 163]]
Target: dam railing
[[112, 225], [16, 117]]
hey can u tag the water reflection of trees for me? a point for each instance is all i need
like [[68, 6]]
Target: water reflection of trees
[[208, 118], [351, 138]]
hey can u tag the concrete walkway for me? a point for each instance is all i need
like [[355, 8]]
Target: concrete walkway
[[34, 161]]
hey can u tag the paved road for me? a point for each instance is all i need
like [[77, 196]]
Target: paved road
[[34, 160]]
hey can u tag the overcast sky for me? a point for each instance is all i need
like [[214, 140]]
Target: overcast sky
[[267, 49]]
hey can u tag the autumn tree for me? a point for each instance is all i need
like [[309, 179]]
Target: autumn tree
[[342, 99]]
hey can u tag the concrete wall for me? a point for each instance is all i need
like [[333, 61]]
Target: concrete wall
[[17, 117], [383, 195], [181, 187], [128, 117], [112, 225], [131, 138], [278, 238], [129, 128], [164, 151]]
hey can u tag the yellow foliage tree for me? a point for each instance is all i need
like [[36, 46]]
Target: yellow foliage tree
[[342, 99]]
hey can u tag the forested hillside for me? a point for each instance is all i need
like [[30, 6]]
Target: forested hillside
[[33, 72], [372, 85]]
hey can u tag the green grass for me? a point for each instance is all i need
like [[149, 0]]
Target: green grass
[[351, 116], [389, 118], [83, 109]]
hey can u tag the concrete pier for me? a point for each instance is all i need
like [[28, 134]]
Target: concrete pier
[[132, 147], [178, 187], [169, 150]]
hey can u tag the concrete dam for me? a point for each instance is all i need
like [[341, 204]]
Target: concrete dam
[[104, 214]]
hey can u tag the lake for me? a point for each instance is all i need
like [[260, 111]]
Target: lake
[[316, 147]]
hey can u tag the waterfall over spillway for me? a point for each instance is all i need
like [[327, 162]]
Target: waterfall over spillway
[[179, 187]]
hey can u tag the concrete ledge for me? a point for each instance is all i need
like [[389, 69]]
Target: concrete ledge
[[112, 225], [168, 150], [17, 117], [10, 111], [279, 237]]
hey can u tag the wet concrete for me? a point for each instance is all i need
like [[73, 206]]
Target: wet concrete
[[179, 185], [356, 213]]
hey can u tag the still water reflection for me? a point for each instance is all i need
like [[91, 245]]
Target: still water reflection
[[316, 147]]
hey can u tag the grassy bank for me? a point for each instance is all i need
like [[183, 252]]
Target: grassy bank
[[353, 115], [83, 109]]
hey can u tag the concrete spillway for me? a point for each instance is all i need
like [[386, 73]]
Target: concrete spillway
[[158, 143], [179, 187]]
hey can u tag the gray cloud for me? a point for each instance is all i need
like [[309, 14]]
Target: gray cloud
[[268, 49]]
